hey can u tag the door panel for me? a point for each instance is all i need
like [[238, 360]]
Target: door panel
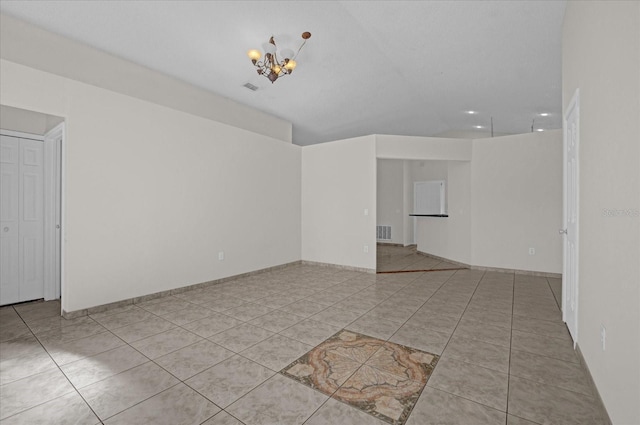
[[22, 220], [32, 222], [571, 193], [9, 219]]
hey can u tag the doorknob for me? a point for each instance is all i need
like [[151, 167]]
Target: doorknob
[[6, 229], [562, 231]]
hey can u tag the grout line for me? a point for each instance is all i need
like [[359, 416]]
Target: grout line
[[465, 309], [290, 281], [554, 295], [63, 374]]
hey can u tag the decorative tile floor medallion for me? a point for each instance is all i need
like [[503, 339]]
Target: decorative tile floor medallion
[[378, 377]]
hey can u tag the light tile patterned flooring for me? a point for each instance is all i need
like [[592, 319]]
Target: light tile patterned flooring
[[213, 356]]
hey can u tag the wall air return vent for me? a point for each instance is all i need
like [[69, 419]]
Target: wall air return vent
[[383, 233]]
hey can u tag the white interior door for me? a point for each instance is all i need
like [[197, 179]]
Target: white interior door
[[571, 216], [21, 219]]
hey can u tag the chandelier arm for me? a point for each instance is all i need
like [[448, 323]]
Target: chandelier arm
[[299, 48]]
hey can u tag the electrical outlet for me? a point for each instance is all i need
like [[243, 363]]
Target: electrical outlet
[[532, 251], [603, 337], [221, 255], [365, 249]]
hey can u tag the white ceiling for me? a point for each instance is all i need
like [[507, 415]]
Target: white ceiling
[[386, 67]]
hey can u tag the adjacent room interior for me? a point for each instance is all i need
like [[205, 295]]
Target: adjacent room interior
[[221, 259]]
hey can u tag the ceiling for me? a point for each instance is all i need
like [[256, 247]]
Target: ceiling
[[370, 67]]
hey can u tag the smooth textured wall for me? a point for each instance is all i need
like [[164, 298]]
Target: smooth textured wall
[[15, 119], [338, 184], [154, 194], [396, 180], [415, 151], [422, 148], [450, 237], [516, 201], [390, 198], [601, 57], [504, 197]]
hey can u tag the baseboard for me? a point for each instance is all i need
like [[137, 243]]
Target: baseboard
[[435, 257], [494, 269], [411, 245], [603, 410], [338, 266], [136, 300], [389, 244]]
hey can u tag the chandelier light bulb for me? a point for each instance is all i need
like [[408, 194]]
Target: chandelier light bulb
[[269, 48], [286, 54], [254, 55]]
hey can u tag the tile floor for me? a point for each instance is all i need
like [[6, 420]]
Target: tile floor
[[214, 356], [376, 376]]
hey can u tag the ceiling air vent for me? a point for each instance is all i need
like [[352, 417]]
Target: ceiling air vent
[[251, 87]]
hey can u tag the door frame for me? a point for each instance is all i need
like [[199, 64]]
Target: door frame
[[53, 206], [54, 216], [574, 105]]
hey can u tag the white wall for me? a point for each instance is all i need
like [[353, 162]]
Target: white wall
[[470, 134], [26, 44], [450, 237], [395, 193], [412, 147], [601, 57], [507, 199], [338, 184], [516, 199], [153, 194], [414, 151], [26, 121], [390, 198], [408, 223]]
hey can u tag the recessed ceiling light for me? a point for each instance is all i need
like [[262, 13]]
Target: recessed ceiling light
[[539, 129], [478, 126], [544, 114], [471, 112]]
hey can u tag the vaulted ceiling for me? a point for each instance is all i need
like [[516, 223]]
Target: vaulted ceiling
[[386, 67]]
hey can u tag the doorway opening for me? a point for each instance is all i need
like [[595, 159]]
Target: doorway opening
[[31, 216], [398, 238]]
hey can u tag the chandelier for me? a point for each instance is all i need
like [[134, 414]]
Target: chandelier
[[275, 64]]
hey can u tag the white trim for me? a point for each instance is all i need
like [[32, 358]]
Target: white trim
[[62, 211], [22, 135], [49, 218], [52, 247]]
